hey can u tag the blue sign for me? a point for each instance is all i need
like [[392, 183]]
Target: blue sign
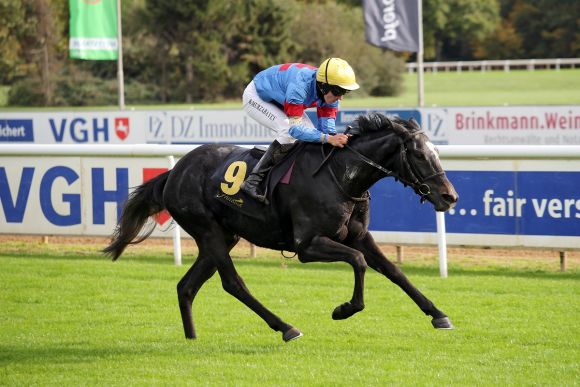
[[16, 131], [490, 202], [346, 117]]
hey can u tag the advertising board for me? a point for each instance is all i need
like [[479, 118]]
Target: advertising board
[[503, 125], [509, 125], [522, 203], [117, 127], [70, 195]]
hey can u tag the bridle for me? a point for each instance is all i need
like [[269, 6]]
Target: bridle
[[418, 184]]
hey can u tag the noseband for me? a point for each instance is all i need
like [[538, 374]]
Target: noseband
[[417, 184]]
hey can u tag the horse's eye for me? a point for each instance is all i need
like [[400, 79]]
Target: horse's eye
[[421, 155]]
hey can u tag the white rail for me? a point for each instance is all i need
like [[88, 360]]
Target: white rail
[[505, 65], [155, 150]]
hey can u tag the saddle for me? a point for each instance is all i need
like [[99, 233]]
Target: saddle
[[229, 177]]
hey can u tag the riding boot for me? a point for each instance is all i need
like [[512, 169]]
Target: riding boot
[[251, 185]]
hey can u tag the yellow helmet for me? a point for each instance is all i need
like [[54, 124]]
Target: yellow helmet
[[336, 71]]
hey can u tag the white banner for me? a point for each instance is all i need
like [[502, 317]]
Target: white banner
[[204, 126], [71, 195], [513, 125], [119, 127]]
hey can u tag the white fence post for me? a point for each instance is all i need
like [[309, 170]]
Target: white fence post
[[442, 241], [177, 229]]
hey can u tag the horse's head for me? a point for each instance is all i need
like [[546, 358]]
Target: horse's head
[[414, 159]]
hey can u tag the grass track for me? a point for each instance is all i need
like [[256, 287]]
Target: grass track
[[491, 88], [69, 319]]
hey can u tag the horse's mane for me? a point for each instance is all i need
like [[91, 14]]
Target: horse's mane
[[375, 122]]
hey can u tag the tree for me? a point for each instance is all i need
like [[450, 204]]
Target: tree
[[548, 29], [453, 28], [503, 43], [17, 28]]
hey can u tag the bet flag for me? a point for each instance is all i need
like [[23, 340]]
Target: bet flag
[[93, 29], [392, 24]]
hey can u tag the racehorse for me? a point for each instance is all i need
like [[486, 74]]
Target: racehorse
[[321, 213]]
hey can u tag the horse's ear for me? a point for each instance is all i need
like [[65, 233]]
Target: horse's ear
[[352, 130], [399, 129], [414, 124]]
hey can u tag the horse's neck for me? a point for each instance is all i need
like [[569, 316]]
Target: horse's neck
[[357, 176]]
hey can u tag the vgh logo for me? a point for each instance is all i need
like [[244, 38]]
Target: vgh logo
[[122, 127]]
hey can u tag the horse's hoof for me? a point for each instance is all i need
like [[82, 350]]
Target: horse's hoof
[[345, 310], [291, 334], [442, 323]]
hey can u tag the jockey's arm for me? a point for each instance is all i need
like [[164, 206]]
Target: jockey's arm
[[304, 133]]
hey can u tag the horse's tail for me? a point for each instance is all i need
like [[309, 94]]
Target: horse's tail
[[145, 201]]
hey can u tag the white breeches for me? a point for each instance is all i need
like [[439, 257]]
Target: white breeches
[[270, 115]]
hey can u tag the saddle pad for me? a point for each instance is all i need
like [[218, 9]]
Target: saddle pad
[[229, 177], [227, 180]]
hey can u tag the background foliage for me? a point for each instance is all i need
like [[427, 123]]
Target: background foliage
[[178, 51]]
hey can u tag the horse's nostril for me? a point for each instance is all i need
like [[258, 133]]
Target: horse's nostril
[[449, 198]]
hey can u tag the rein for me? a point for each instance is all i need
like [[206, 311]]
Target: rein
[[325, 158]]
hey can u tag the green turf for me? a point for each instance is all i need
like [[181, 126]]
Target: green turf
[[491, 88], [476, 88], [79, 319]]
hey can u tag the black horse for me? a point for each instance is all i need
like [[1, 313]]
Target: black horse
[[322, 214]]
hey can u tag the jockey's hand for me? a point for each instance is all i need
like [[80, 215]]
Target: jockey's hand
[[338, 140]]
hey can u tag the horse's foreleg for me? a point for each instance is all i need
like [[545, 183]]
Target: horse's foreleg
[[377, 260], [202, 270], [324, 249]]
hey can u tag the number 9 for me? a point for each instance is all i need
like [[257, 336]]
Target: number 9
[[234, 177]]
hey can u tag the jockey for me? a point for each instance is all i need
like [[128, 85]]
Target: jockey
[[277, 98]]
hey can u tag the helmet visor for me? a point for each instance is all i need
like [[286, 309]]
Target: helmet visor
[[337, 91]]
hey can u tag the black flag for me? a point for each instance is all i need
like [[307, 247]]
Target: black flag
[[392, 24]]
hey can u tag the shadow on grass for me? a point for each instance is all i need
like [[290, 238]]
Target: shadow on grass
[[58, 354], [48, 354]]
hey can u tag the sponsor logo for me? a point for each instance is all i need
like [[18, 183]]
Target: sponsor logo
[[122, 127], [16, 131], [262, 109], [237, 202], [205, 128], [390, 21], [88, 129]]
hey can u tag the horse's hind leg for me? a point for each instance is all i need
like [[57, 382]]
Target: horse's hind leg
[[211, 243], [202, 270], [377, 260]]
